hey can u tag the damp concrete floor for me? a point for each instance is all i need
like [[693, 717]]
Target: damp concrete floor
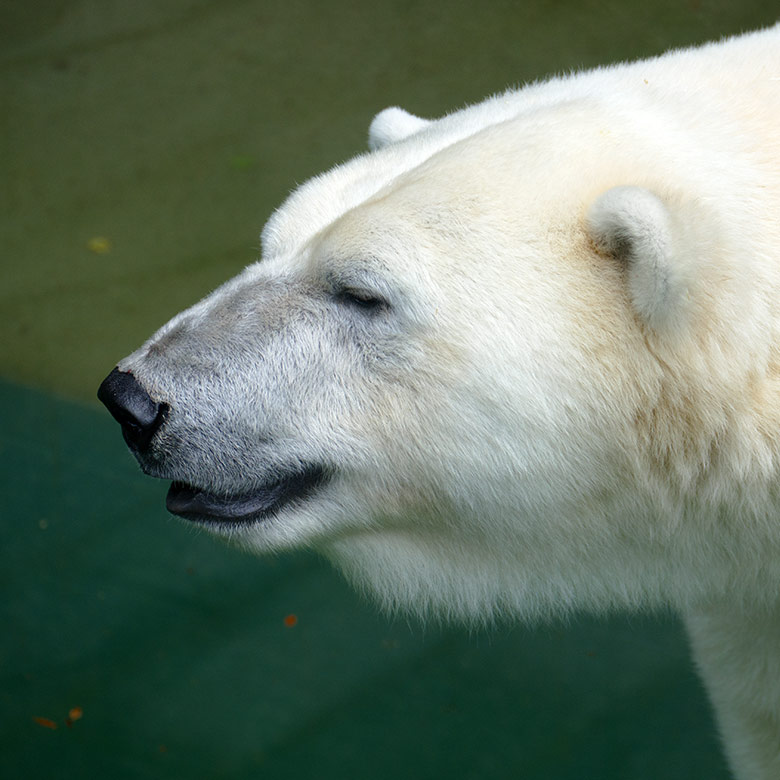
[[142, 146]]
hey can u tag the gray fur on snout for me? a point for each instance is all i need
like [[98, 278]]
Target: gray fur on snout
[[244, 375]]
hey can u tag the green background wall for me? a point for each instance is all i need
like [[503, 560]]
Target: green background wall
[[142, 146]]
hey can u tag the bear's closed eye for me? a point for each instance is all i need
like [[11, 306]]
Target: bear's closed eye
[[362, 299]]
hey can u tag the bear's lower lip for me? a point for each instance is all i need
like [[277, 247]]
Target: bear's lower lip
[[200, 506]]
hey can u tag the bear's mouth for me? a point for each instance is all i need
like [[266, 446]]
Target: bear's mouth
[[200, 506]]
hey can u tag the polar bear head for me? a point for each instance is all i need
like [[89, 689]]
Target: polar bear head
[[479, 368]]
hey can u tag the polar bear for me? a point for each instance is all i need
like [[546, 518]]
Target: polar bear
[[519, 360]]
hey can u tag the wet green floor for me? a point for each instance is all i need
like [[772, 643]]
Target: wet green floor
[[141, 148]]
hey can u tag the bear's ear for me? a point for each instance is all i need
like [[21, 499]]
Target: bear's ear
[[634, 226], [391, 125]]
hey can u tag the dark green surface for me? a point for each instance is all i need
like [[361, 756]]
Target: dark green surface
[[172, 129], [176, 649]]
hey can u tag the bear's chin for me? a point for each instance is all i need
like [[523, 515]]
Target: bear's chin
[[201, 506]]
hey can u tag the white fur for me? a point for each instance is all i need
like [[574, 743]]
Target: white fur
[[393, 125], [571, 398], [634, 225]]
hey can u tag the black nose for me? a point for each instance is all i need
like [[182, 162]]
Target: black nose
[[132, 408]]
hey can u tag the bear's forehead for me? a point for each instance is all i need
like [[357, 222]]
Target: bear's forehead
[[413, 182], [322, 200]]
